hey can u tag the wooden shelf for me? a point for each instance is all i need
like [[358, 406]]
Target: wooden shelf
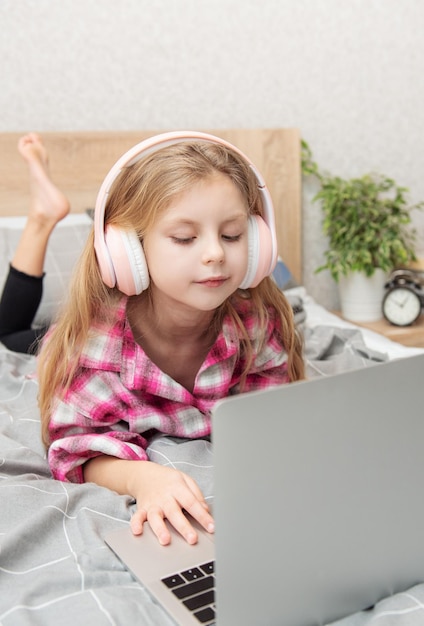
[[407, 335]]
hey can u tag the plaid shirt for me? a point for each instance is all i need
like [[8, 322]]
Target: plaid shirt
[[120, 398]]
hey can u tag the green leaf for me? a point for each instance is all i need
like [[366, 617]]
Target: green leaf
[[367, 220]]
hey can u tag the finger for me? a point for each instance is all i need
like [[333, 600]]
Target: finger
[[193, 502], [201, 515], [182, 525], [156, 519], [195, 489], [137, 521]]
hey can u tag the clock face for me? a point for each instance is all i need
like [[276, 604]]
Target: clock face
[[401, 306]]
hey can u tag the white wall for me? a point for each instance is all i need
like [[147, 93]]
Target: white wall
[[348, 73]]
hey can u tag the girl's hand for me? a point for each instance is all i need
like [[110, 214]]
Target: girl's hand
[[163, 492]]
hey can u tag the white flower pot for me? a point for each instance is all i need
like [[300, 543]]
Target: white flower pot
[[361, 296]]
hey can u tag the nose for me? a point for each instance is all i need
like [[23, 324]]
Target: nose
[[213, 251]]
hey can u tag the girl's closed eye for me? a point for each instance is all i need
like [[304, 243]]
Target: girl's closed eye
[[231, 238], [187, 240], [183, 240]]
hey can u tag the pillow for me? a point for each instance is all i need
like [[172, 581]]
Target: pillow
[[65, 245], [285, 281], [283, 277]]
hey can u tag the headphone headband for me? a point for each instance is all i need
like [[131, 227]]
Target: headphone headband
[[150, 146]]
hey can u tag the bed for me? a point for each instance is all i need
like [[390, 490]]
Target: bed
[[54, 564]]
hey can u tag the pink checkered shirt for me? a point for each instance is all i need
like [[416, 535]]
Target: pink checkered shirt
[[120, 398]]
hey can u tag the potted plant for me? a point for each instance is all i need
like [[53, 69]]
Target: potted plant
[[367, 221]]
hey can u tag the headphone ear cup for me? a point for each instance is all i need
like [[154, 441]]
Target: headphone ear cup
[[128, 260], [260, 252]]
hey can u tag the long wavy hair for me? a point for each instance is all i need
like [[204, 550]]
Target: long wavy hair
[[140, 194]]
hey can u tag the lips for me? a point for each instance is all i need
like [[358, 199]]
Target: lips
[[213, 281]]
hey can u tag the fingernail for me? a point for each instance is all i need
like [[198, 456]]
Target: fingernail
[[211, 527], [191, 538]]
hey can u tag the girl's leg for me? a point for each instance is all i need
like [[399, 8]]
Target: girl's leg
[[18, 306], [47, 207], [23, 288]]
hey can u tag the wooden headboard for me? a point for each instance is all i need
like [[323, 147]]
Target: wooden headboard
[[79, 162]]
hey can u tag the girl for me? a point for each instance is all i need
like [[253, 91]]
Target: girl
[[154, 334]]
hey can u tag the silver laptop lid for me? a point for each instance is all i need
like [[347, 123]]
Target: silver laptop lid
[[318, 496]]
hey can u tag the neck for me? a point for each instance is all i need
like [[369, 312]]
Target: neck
[[173, 325], [170, 338]]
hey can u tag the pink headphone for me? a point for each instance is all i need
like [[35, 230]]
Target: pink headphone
[[119, 252]]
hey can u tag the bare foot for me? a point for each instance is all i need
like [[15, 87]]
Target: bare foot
[[48, 204]]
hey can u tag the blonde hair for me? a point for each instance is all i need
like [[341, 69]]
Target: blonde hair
[[140, 194]]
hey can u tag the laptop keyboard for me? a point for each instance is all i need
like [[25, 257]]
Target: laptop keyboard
[[195, 588]]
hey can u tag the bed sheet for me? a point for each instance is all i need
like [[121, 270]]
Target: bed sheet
[[65, 246], [54, 564]]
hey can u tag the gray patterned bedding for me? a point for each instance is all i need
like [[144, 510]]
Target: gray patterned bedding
[[54, 565]]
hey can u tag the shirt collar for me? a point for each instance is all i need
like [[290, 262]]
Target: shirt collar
[[112, 347]]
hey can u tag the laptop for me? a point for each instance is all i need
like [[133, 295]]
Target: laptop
[[318, 505]]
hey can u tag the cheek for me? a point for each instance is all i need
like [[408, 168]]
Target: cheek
[[163, 259], [155, 249], [241, 255]]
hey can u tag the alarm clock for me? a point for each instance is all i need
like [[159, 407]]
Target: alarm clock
[[402, 304]]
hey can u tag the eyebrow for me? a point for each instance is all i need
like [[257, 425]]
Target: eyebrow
[[189, 222]]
